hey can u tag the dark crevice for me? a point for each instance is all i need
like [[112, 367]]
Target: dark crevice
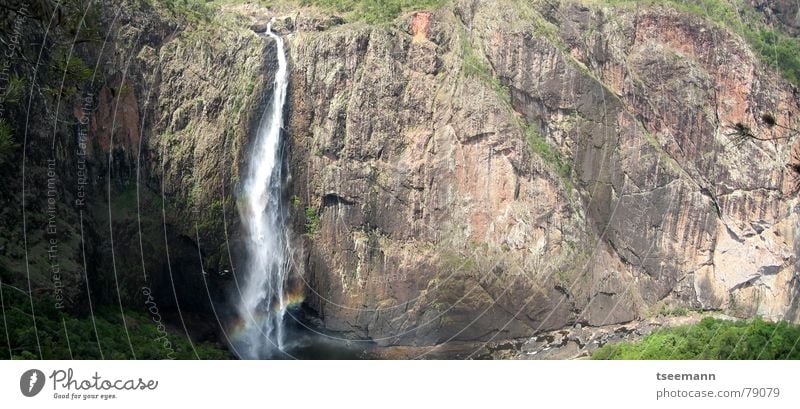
[[332, 199]]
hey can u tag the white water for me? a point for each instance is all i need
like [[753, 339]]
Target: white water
[[263, 215]]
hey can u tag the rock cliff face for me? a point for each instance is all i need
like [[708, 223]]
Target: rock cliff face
[[486, 171], [131, 160], [483, 171], [785, 13]]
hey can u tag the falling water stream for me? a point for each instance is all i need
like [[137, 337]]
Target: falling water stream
[[262, 330], [263, 214]]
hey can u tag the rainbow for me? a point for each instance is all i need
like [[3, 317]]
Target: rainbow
[[292, 299]]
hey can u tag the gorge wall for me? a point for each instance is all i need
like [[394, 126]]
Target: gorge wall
[[481, 171], [143, 140], [492, 170]]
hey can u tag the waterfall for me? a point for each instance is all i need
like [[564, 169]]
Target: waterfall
[[263, 215]]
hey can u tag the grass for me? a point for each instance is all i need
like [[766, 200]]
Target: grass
[[370, 11], [191, 11], [776, 49], [66, 336], [475, 66], [712, 339], [373, 11], [539, 145], [678, 311]]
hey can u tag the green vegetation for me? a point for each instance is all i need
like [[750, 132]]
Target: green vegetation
[[312, 221], [7, 144], [296, 202], [549, 154], [64, 336], [191, 11], [81, 20], [121, 90], [370, 11], [74, 67], [73, 71], [373, 11], [475, 66], [773, 47], [679, 311], [713, 339], [15, 90], [195, 195], [778, 51], [662, 309], [562, 278]]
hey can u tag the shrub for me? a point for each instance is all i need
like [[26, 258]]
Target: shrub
[[61, 335], [713, 339], [312, 221], [15, 89]]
